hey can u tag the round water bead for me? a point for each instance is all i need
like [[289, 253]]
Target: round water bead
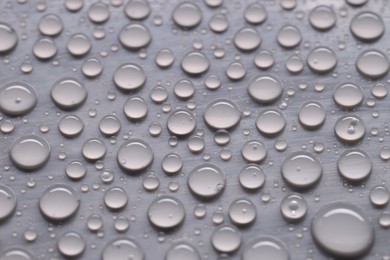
[[222, 137], [68, 93], [134, 155], [226, 239], [373, 64], [135, 108], [17, 98], [79, 44], [222, 114], [93, 149], [44, 49], [236, 71], [247, 39], [74, 5], [242, 212], [151, 183], [270, 122], [367, 26], [184, 89], [71, 244], [342, 229], [350, 129], [348, 95], [379, 91], [129, 76], [92, 67], [321, 60], [187, 15], [301, 170], [206, 181], [98, 12], [356, 2], [115, 198], [166, 212], [195, 63], [75, 170], [165, 58], [264, 59], [384, 219], [322, 18], [7, 202], [289, 36], [312, 115], [109, 125], [16, 254], [172, 164], [182, 250], [121, 249], [265, 248], [295, 64], [50, 25], [379, 196], [252, 177], [254, 151], [137, 9], [196, 144], [354, 165], [59, 202], [218, 23], [29, 152], [265, 89], [9, 38], [293, 207], [70, 126], [135, 36], [181, 122], [255, 13]]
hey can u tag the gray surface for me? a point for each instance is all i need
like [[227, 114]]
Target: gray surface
[[24, 19]]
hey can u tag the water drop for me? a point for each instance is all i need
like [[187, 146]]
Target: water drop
[[236, 71], [373, 64], [134, 155], [93, 149], [68, 93], [79, 45], [7, 202], [222, 114], [135, 36], [115, 198], [242, 212], [264, 59], [92, 67], [348, 95], [247, 39], [50, 25], [9, 38], [137, 9], [121, 249], [110, 125], [98, 12], [44, 49], [17, 98], [367, 26], [195, 63], [289, 36], [255, 13], [70, 126], [129, 77], [71, 244], [196, 144], [181, 122], [252, 177], [182, 250], [265, 248], [166, 212], [265, 89], [184, 89], [206, 181], [350, 129], [187, 15], [293, 207], [254, 151], [226, 239], [270, 122], [218, 23], [16, 254], [379, 196], [322, 18], [312, 115], [135, 108], [321, 60], [165, 58], [75, 170]]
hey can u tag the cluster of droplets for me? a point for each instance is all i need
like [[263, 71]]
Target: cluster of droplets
[[340, 229]]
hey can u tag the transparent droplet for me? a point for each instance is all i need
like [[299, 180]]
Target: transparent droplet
[[166, 212], [236, 71], [135, 108], [367, 26], [165, 58], [121, 249], [293, 207], [70, 126], [134, 155], [68, 93], [295, 64], [98, 12], [94, 222], [226, 239], [312, 115], [265, 89], [196, 144], [242, 212], [350, 129], [92, 67], [247, 39], [187, 15], [322, 18], [222, 114], [321, 60], [195, 63], [8, 202], [16, 254], [221, 137], [255, 13], [17, 98], [9, 38], [252, 177], [182, 250], [270, 122], [110, 125], [206, 181], [184, 89], [135, 36], [342, 229], [379, 196], [79, 44], [373, 64], [75, 170], [348, 95], [301, 170], [115, 198], [137, 9], [254, 151], [181, 122], [379, 91], [265, 248], [50, 25], [93, 149], [44, 49], [289, 36], [129, 76], [212, 82], [71, 244], [264, 59]]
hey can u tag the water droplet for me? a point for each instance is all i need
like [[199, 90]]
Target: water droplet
[[7, 126], [265, 89], [356, 2], [354, 165], [342, 229], [384, 219], [135, 36], [137, 9], [115, 198], [350, 129], [182, 250], [68, 93], [70, 126], [184, 89], [288, 4], [252, 177], [367, 26], [196, 144], [295, 64], [92, 67], [218, 23], [58, 202], [384, 153], [242, 212], [74, 5], [226, 239], [98, 12], [44, 49], [17, 98], [181, 122], [50, 25], [293, 207], [155, 129], [129, 77], [93, 149], [166, 212], [187, 15], [165, 58], [247, 39], [270, 122], [135, 108], [7, 201], [373, 64], [379, 91], [301, 170], [16, 254], [110, 125], [289, 36], [94, 222], [321, 60], [312, 115], [9, 38], [254, 151], [200, 211], [75, 170], [236, 71], [264, 59], [264, 248], [212, 82], [151, 183], [79, 45], [206, 181], [29, 152], [348, 95], [71, 244], [255, 13], [322, 18], [379, 196], [121, 249], [221, 137], [30, 235], [222, 114], [121, 224], [195, 63], [134, 155]]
